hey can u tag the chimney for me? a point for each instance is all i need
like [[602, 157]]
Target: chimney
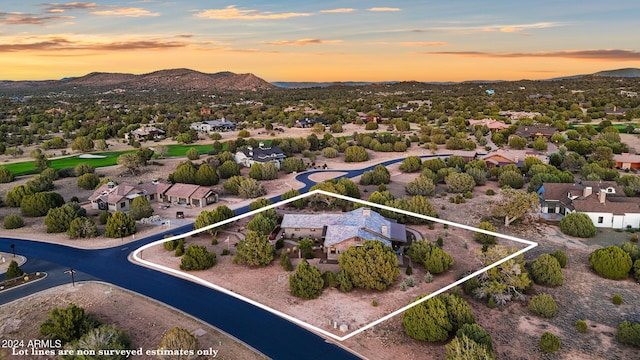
[[111, 185], [588, 190], [385, 230], [602, 196], [366, 212]]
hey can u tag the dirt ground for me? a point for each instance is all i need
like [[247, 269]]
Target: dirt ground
[[145, 320]]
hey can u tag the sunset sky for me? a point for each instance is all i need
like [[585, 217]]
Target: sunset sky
[[321, 41]]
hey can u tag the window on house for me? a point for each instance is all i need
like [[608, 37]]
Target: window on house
[[313, 229], [123, 204], [600, 219], [152, 197], [297, 229]]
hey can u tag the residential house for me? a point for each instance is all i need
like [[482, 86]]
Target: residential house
[[502, 157], [114, 197], [209, 126], [261, 154], [603, 201], [516, 115], [615, 111], [626, 161], [493, 125], [535, 131], [308, 123], [145, 133], [191, 195], [119, 197], [467, 155], [339, 232]]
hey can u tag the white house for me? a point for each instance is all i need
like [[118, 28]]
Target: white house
[[261, 154], [603, 201], [213, 126]]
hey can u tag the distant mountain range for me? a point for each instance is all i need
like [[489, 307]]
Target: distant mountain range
[[186, 79], [173, 79]]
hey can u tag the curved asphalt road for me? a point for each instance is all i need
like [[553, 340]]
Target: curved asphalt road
[[269, 334]]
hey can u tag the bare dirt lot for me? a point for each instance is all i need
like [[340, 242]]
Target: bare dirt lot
[[143, 319]]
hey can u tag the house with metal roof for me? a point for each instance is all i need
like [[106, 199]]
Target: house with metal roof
[[339, 232], [262, 154]]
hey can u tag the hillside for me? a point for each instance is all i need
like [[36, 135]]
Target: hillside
[[171, 80], [628, 72]]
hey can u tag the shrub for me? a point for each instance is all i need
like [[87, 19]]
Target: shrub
[[543, 305], [329, 278], [225, 252], [371, 126], [561, 257], [578, 224], [486, 238], [629, 333], [636, 270], [617, 299], [193, 154], [179, 248], [549, 343], [285, 261], [120, 225], [374, 302], [197, 257], [428, 277], [581, 326], [545, 270], [67, 324], [13, 271], [434, 259], [611, 262], [476, 333], [307, 281], [344, 281], [88, 181], [329, 152], [5, 175], [83, 168], [170, 245], [13, 221], [459, 183], [104, 216], [355, 154], [490, 192], [409, 270], [82, 227], [40, 203]]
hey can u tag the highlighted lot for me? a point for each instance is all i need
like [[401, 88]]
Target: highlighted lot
[[360, 327]]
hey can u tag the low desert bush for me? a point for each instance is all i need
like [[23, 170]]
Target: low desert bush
[[581, 326], [611, 262], [543, 305], [549, 343]]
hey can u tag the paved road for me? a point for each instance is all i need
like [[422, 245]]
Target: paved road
[[271, 335]]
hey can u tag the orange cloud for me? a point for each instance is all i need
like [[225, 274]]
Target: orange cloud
[[32, 20], [59, 8], [126, 12], [338, 10], [604, 55], [302, 42], [231, 12], [424, 43], [64, 44], [383, 9]]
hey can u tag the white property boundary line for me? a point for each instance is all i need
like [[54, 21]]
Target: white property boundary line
[[136, 256]]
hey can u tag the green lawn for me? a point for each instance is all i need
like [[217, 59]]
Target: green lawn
[[26, 167], [181, 150]]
